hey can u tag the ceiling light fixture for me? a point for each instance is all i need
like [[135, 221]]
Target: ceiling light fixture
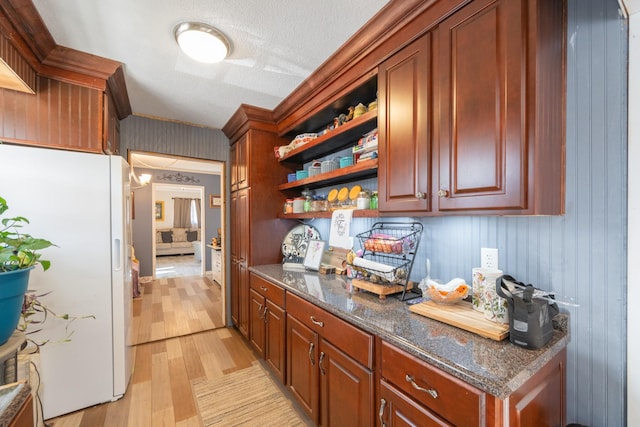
[[202, 42]]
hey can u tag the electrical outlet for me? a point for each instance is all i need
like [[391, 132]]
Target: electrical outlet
[[488, 258]]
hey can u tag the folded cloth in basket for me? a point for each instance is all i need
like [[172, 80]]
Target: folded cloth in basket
[[383, 270]]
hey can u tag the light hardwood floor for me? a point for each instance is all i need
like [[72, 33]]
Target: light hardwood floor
[[159, 392]]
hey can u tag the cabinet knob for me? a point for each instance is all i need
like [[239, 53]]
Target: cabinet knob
[[443, 193], [421, 195]]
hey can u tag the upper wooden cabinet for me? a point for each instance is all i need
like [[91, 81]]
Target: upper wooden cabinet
[[239, 157], [404, 137], [490, 78], [499, 81]]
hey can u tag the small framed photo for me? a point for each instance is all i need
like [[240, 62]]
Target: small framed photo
[[313, 255], [215, 201], [159, 211]]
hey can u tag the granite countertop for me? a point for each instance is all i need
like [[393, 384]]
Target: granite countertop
[[497, 367], [12, 397]]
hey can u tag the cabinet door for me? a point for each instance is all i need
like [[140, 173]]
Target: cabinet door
[[404, 169], [302, 366], [239, 255], [239, 158], [396, 409], [483, 160], [274, 352], [257, 309], [346, 389]]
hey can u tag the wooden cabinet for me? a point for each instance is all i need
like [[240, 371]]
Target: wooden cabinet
[[404, 172], [256, 231], [239, 160], [441, 394], [398, 409], [329, 366], [499, 97], [267, 319], [471, 114], [413, 392], [239, 260]]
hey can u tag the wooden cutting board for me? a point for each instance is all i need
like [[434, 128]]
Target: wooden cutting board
[[462, 316]]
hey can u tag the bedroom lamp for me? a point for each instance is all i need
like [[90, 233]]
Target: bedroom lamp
[[202, 42]]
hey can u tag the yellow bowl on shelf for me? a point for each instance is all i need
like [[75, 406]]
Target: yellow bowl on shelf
[[332, 196]]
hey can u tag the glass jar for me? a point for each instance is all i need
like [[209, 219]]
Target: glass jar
[[307, 204], [363, 200], [373, 202], [298, 205], [288, 206]]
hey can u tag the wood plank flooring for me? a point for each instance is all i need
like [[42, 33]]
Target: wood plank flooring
[[171, 307], [159, 392]]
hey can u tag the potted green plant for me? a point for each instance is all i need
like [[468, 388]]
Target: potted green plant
[[19, 254]]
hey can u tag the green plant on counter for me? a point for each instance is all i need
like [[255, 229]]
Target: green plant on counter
[[19, 251]]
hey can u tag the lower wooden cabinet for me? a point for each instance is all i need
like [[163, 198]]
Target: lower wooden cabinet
[[329, 382], [398, 409], [267, 323]]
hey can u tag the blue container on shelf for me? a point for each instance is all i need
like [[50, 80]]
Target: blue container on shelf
[[302, 174], [291, 177], [346, 161]]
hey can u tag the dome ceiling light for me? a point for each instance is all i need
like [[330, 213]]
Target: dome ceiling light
[[202, 42]]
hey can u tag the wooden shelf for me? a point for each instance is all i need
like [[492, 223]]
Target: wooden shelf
[[364, 169], [334, 140], [357, 213]]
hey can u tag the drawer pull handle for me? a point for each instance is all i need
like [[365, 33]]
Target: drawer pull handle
[[264, 313], [260, 314], [317, 322], [421, 195], [322, 371], [383, 403], [264, 288], [311, 359], [412, 381], [443, 193]]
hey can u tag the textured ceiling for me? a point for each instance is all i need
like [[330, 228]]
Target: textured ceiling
[[275, 45]]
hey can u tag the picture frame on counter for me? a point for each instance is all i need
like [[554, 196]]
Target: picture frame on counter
[[215, 201], [313, 254]]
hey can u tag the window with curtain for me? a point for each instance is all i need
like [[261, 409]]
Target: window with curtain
[[186, 213]]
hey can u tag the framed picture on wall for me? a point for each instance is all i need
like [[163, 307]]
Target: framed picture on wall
[[215, 201], [159, 211]]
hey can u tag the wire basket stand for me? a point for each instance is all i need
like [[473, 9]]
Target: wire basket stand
[[388, 252]]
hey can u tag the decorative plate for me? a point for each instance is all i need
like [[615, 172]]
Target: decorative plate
[[295, 242]]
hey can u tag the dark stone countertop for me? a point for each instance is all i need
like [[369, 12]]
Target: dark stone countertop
[[497, 367], [12, 397]]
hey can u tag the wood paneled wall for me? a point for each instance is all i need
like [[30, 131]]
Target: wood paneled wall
[[58, 115]]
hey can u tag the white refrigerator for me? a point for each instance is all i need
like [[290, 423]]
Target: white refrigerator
[[82, 203]]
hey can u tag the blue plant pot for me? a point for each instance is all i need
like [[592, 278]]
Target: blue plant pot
[[13, 286]]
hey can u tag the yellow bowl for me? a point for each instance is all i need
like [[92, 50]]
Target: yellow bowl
[[342, 194]]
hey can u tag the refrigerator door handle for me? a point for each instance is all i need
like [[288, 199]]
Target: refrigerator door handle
[[117, 254]]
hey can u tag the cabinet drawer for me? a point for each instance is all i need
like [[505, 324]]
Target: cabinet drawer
[[267, 289], [452, 399], [358, 344]]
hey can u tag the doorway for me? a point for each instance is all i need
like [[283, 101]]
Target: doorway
[[203, 179]]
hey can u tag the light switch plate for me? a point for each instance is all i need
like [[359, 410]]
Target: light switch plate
[[488, 257]]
